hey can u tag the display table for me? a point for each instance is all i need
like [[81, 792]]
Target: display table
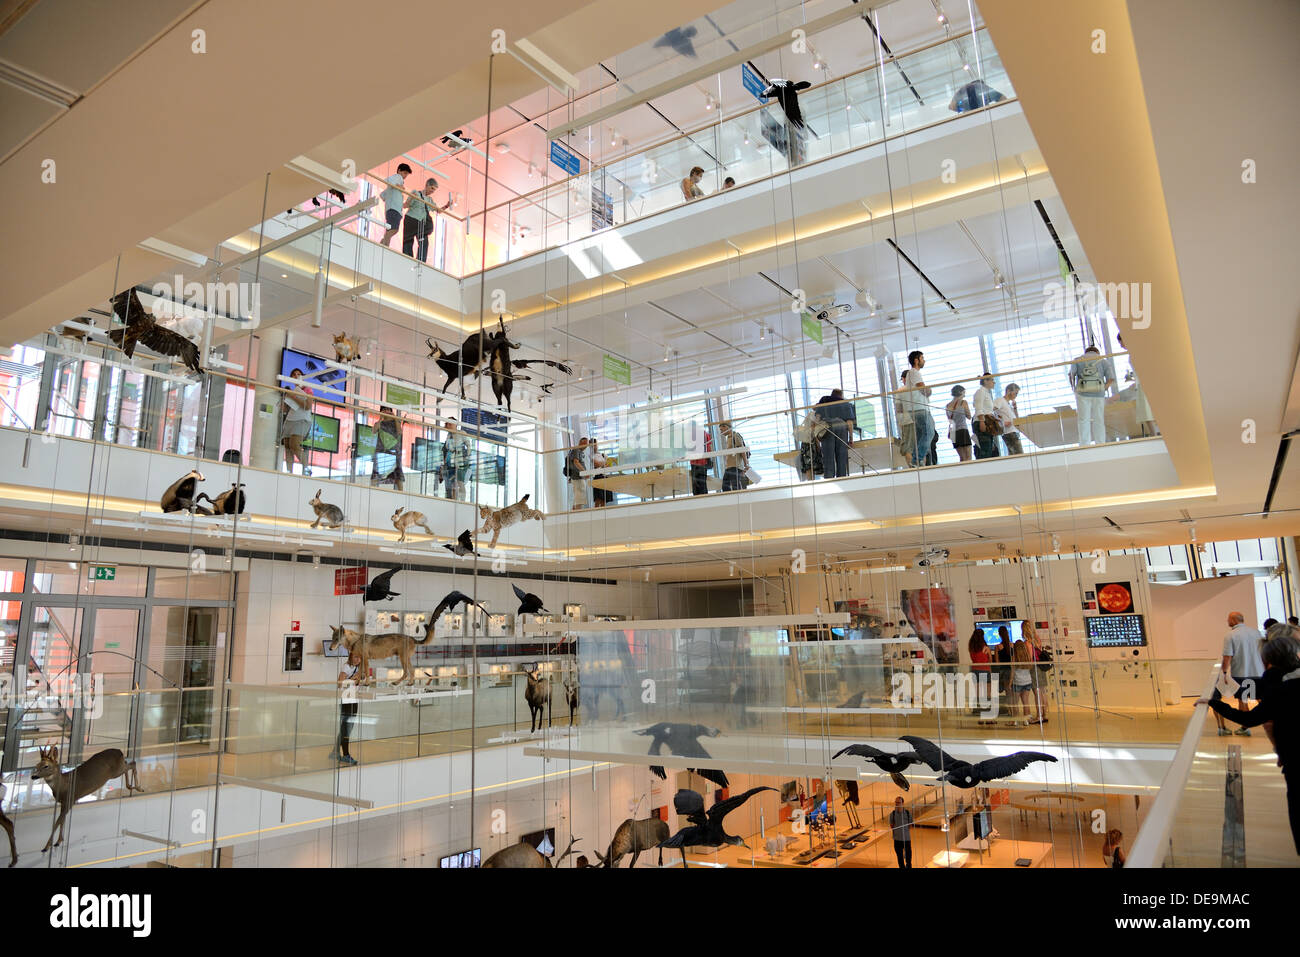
[[865, 455], [1053, 429], [652, 484], [1000, 853]]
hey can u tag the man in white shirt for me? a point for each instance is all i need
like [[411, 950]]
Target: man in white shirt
[[919, 400], [1091, 376], [393, 199], [1007, 413], [1241, 659], [985, 423]]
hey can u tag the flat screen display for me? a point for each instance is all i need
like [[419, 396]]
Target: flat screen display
[[314, 372], [426, 455], [463, 859], [544, 841], [324, 435], [1116, 631], [365, 441], [990, 629]]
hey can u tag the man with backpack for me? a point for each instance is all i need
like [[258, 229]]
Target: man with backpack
[[1091, 376]]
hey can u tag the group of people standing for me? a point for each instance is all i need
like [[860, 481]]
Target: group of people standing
[[1022, 666], [825, 436], [417, 223], [975, 433]]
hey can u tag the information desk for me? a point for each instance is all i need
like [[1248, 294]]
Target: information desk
[[865, 455], [655, 483], [1052, 429]]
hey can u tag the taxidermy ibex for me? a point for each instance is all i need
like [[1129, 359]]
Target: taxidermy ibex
[[525, 855], [69, 787], [633, 837], [538, 696]]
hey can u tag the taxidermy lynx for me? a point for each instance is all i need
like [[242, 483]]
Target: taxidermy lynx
[[346, 349], [494, 521]]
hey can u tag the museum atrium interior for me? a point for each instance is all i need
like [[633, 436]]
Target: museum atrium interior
[[903, 413]]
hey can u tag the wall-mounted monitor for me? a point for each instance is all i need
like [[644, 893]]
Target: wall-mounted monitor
[[990, 629], [1116, 631], [463, 859], [324, 435], [365, 439], [426, 456], [314, 372]]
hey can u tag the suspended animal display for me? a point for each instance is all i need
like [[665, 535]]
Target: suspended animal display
[[331, 516], [346, 349], [494, 520], [501, 369], [524, 855], [141, 328], [451, 600], [381, 587], [633, 837], [378, 647], [470, 357], [180, 495], [537, 695], [229, 502], [892, 764], [464, 544], [8, 825], [529, 604], [705, 828], [69, 787], [403, 520], [964, 774], [683, 742]]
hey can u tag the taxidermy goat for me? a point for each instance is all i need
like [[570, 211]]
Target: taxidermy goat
[[180, 497], [402, 520], [538, 696], [141, 327], [346, 349], [69, 787], [229, 502], [633, 837], [525, 855], [495, 520], [329, 515]]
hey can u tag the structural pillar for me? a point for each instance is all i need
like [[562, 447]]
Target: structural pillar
[[264, 443]]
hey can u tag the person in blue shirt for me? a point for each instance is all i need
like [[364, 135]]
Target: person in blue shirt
[[392, 198], [839, 417]]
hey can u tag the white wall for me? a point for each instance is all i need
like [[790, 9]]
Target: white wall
[[1191, 621]]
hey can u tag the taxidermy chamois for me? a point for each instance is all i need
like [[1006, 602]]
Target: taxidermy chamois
[[229, 502], [538, 696], [633, 837], [346, 349], [524, 854], [69, 787], [501, 370], [179, 497], [140, 327], [8, 825]]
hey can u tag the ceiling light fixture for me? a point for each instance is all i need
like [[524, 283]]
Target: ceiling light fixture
[[708, 101], [762, 331], [966, 67], [613, 138]]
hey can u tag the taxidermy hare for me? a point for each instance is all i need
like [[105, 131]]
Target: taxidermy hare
[[402, 520], [329, 515]]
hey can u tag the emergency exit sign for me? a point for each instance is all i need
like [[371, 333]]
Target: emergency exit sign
[[104, 573]]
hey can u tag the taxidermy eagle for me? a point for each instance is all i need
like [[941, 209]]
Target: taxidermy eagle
[[141, 327]]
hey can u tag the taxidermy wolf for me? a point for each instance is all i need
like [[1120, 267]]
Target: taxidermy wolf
[[379, 647]]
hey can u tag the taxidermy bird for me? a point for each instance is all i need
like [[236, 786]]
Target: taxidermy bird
[[963, 774], [381, 587], [180, 496], [705, 829], [456, 139], [229, 502], [464, 544], [140, 327], [529, 604], [679, 40], [450, 602], [892, 764], [683, 742], [786, 93], [854, 700]]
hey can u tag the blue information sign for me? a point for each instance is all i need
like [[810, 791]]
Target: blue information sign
[[564, 159], [752, 82]]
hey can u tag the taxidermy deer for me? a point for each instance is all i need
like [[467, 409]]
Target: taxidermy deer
[[496, 519], [571, 696], [69, 787], [538, 696], [633, 837], [524, 855], [346, 349], [180, 496], [330, 515], [402, 520], [8, 825]]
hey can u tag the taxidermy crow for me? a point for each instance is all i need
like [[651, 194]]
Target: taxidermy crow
[[381, 587], [892, 764], [683, 742], [450, 140], [963, 774], [854, 701], [786, 92], [229, 502], [679, 39], [464, 544], [705, 829], [140, 327], [453, 599], [529, 604], [180, 496]]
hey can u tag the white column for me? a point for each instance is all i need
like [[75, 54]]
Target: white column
[[264, 447]]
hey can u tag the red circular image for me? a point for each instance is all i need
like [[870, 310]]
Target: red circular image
[[1115, 598]]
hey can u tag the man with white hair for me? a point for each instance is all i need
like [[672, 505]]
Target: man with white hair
[[1241, 660]]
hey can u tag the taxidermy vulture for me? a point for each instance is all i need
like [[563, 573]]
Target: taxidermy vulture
[[450, 601], [683, 742], [381, 587], [529, 604], [963, 774], [346, 349], [786, 92], [141, 327], [180, 496], [229, 502]]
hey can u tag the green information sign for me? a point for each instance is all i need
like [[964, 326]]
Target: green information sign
[[104, 573], [618, 370], [112, 644], [400, 395], [865, 411], [812, 329]]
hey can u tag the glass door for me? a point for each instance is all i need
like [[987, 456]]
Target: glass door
[[51, 670], [112, 639]]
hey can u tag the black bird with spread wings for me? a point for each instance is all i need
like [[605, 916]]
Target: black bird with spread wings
[[529, 604], [786, 93], [683, 742], [141, 327], [450, 602], [679, 40], [381, 587], [464, 544], [892, 764], [705, 829], [963, 774]]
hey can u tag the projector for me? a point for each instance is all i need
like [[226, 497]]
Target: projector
[[831, 312], [930, 557]]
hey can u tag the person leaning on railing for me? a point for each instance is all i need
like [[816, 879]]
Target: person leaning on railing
[[734, 466]]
